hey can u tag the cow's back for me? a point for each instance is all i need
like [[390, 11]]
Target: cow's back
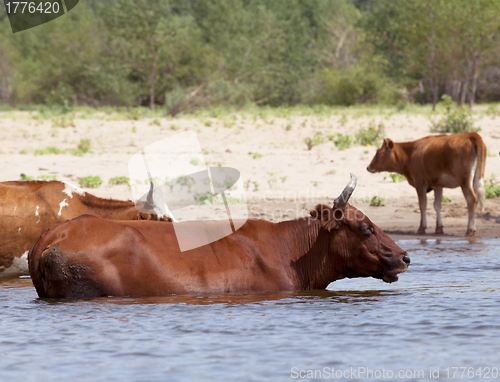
[[444, 160], [26, 210], [144, 258]]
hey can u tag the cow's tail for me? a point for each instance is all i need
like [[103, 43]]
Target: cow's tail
[[478, 180]]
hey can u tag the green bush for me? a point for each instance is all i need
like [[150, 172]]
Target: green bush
[[90, 181], [377, 201], [396, 178], [492, 191], [50, 150], [25, 177], [84, 145], [356, 84], [343, 141], [60, 99], [371, 135], [119, 180], [456, 120], [314, 141]]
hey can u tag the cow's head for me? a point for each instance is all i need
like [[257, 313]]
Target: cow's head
[[384, 159], [362, 248]]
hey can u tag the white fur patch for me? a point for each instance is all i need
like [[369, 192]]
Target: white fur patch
[[70, 188], [18, 267], [61, 205], [37, 214]]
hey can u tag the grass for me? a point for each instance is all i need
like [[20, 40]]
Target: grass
[[377, 201], [455, 120], [63, 121], [82, 148], [445, 199], [396, 178], [255, 155], [248, 111], [492, 191], [195, 161], [371, 135], [25, 177], [135, 114], [90, 181], [50, 150], [119, 180], [343, 141], [314, 141]]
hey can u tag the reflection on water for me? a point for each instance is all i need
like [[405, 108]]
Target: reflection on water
[[442, 313]]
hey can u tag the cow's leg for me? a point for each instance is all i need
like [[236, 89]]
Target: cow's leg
[[422, 201], [471, 199], [438, 199]]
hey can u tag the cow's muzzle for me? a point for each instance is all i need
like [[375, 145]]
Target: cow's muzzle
[[393, 276], [369, 169], [406, 259]]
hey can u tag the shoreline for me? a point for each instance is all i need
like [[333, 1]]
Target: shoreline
[[283, 179]]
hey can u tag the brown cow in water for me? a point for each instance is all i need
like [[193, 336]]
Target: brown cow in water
[[89, 257], [437, 162], [29, 208]]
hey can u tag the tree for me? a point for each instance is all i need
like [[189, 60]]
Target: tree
[[144, 28]]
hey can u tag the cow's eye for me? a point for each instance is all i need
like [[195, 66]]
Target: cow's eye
[[366, 229]]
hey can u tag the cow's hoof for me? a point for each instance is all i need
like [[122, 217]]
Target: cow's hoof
[[470, 233], [439, 230], [421, 231]]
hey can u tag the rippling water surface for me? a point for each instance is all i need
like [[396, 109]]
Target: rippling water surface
[[443, 313]]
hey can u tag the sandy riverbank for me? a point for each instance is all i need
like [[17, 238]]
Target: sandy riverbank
[[284, 179]]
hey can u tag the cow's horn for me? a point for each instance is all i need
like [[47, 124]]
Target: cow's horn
[[341, 201], [149, 198]]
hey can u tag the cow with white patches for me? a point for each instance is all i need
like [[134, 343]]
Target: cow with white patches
[[29, 208]]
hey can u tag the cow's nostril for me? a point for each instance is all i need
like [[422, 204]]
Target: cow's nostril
[[406, 259]]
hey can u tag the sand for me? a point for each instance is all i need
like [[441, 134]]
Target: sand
[[283, 178]]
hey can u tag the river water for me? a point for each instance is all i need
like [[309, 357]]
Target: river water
[[442, 318]]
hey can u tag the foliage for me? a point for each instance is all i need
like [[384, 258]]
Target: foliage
[[47, 177], [445, 199], [377, 201], [63, 121], [371, 135], [255, 155], [456, 120], [119, 180], [90, 181], [343, 141], [314, 141], [50, 150], [25, 177], [396, 178], [492, 191], [84, 145], [187, 55]]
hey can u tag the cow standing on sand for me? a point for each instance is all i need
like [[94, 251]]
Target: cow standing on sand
[[437, 162], [90, 257], [29, 208]]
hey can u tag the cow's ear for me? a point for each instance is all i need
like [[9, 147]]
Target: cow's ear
[[389, 143], [326, 215]]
